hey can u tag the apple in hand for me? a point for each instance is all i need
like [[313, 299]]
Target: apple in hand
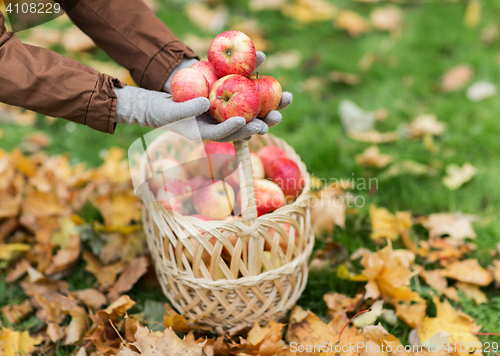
[[212, 201], [232, 52], [188, 84], [285, 173], [165, 169], [176, 196], [269, 90], [234, 95], [268, 154], [205, 68], [268, 196]]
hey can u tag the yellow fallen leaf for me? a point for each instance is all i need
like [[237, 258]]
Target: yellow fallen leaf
[[457, 176], [259, 5], [328, 209], [434, 279], [11, 251], [373, 136], [206, 18], [473, 292], [412, 314], [372, 157], [388, 18], [338, 303], [308, 11], [456, 78], [457, 226], [343, 273], [425, 125], [388, 226], [352, 22], [473, 13], [469, 271], [13, 343]]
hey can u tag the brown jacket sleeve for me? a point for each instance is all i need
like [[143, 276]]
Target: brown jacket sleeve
[[134, 37], [46, 82]]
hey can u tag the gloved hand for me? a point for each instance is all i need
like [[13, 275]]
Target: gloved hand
[[234, 128]]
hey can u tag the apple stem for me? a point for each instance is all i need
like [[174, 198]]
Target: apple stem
[[257, 75]]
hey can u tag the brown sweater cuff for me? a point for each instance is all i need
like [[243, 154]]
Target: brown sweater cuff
[[101, 109], [162, 64]]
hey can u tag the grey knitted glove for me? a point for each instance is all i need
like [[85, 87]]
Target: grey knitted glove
[[153, 108], [233, 128]]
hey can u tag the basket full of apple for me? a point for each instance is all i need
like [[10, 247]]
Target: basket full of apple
[[228, 224]]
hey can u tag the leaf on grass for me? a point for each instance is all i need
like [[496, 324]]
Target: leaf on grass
[[78, 324], [447, 250], [171, 319], [434, 279], [106, 275], [406, 167], [197, 44], [10, 251], [388, 18], [352, 22], [389, 272], [459, 326], [412, 314], [469, 271], [327, 210], [372, 158], [13, 343], [343, 273], [35, 142], [425, 125], [457, 226], [74, 40], [495, 272], [473, 292], [472, 13], [481, 90], [65, 258], [309, 11], [374, 136], [130, 275], [284, 59], [14, 313], [259, 5], [92, 298], [50, 313], [382, 337], [120, 209], [456, 78], [369, 318], [339, 304], [149, 343], [9, 205], [342, 77], [355, 119], [457, 176], [122, 246], [388, 226], [206, 18]]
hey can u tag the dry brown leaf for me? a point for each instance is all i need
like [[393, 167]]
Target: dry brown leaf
[[490, 34], [130, 275], [327, 210], [447, 250], [309, 11], [122, 246], [149, 343], [13, 343], [50, 313], [425, 125], [14, 313], [120, 209], [92, 298], [9, 205], [451, 293], [79, 322], [74, 40], [459, 326], [259, 5], [388, 226], [434, 279], [205, 17], [389, 272], [65, 258], [372, 158], [106, 275], [346, 78], [469, 271], [380, 336], [457, 176], [456, 78], [374, 136], [284, 59], [352, 22], [388, 18], [340, 304], [35, 142], [171, 319], [457, 226], [473, 292], [412, 314]]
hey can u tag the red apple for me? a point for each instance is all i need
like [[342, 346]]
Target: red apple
[[234, 95], [188, 84], [232, 52], [196, 182], [166, 169], [176, 196], [268, 196], [268, 154], [285, 173], [218, 153], [205, 68], [211, 200], [269, 90]]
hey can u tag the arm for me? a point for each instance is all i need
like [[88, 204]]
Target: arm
[[46, 82], [130, 33]]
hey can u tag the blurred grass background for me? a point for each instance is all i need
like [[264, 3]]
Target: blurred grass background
[[404, 79]]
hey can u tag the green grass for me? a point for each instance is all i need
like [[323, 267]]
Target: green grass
[[433, 40]]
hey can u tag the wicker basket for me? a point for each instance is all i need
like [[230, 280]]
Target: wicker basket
[[256, 284]]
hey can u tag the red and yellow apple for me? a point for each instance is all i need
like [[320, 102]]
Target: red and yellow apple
[[166, 169], [211, 200], [286, 174], [268, 196], [267, 154], [205, 68], [269, 90], [232, 52], [188, 84], [234, 95], [176, 196]]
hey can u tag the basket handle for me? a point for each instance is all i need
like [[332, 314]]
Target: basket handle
[[249, 210]]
